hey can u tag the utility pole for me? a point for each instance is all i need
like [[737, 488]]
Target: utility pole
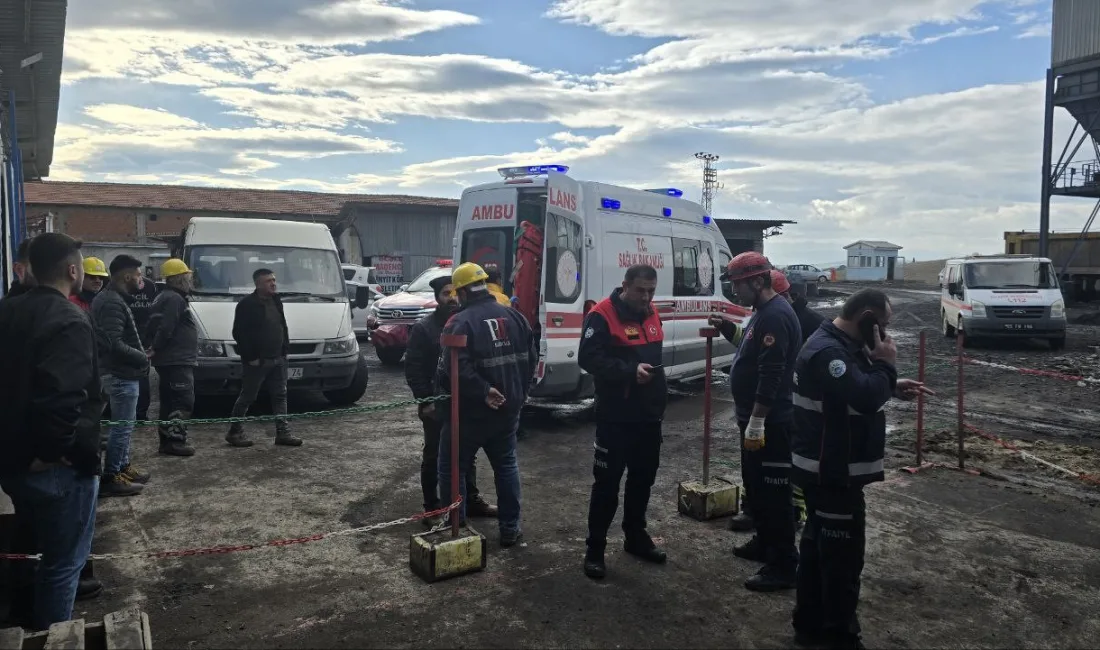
[[710, 179]]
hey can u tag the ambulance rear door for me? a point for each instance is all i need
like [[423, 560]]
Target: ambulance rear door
[[561, 312], [486, 230]]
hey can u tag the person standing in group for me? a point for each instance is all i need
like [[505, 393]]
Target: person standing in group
[[761, 380], [263, 342], [495, 372], [95, 274], [124, 362], [24, 279], [174, 341], [622, 348], [846, 373], [51, 405], [141, 308], [421, 362]]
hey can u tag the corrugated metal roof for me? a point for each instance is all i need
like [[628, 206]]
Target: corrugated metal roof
[[26, 29], [213, 199], [1075, 32], [871, 243]]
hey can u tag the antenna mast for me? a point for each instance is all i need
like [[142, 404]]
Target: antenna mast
[[710, 179]]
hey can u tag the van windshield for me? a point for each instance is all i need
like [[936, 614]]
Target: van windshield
[[227, 270], [1010, 275]]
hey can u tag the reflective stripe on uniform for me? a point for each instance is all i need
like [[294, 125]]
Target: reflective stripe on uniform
[[864, 469], [817, 406], [806, 464], [775, 465], [505, 360], [830, 515]]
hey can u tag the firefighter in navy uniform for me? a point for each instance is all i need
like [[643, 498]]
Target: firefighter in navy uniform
[[621, 348], [761, 380], [495, 371], [839, 441]]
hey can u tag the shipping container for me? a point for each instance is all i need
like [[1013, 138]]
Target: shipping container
[[1075, 32], [1081, 274]]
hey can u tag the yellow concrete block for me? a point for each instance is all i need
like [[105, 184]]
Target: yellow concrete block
[[437, 556], [719, 498]]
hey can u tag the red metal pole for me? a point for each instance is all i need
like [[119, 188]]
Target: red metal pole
[[454, 342], [962, 424], [709, 333], [920, 402]]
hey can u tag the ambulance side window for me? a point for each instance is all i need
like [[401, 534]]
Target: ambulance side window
[[564, 257], [691, 260]]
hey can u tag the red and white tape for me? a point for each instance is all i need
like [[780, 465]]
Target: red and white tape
[[1052, 374], [222, 550]]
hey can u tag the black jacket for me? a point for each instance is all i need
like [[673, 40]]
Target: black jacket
[[17, 289], [763, 369], [808, 319], [616, 339], [422, 354], [120, 350], [500, 353], [142, 306], [50, 392], [248, 321], [839, 436], [173, 332]]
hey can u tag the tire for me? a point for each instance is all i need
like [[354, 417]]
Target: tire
[[355, 391], [390, 356], [948, 329], [1058, 343], [822, 278]]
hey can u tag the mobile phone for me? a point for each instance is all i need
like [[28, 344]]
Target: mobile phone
[[867, 331]]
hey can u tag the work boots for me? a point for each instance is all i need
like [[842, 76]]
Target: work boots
[[236, 437], [742, 523], [643, 548], [118, 485], [479, 507], [594, 565], [173, 437], [752, 550], [283, 437]]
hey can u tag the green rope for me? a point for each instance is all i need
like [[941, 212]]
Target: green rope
[[277, 418]]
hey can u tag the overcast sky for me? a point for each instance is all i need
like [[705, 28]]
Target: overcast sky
[[917, 122]]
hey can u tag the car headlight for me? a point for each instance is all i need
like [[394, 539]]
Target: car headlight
[[208, 348], [1058, 309], [373, 309], [977, 309], [346, 345]]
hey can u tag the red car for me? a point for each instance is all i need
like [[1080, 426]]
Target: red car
[[392, 317]]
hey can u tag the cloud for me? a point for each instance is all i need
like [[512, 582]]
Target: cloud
[[137, 118]]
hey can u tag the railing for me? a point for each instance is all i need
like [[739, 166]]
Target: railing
[[1077, 175]]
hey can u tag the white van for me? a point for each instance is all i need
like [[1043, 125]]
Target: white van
[[1003, 296], [592, 233], [222, 254]]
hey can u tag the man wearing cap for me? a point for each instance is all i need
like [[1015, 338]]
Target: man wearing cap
[[95, 274], [761, 380], [495, 372], [174, 341], [124, 362], [421, 360]]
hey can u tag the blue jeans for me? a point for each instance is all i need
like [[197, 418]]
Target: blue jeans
[[59, 505], [123, 395], [499, 443]]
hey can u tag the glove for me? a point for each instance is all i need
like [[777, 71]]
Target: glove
[[754, 434]]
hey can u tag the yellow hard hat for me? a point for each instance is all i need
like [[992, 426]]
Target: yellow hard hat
[[173, 267], [467, 274], [95, 266]]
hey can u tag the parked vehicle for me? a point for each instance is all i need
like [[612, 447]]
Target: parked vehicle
[[362, 275], [805, 273], [223, 253], [359, 315], [390, 318], [563, 245], [1003, 296]]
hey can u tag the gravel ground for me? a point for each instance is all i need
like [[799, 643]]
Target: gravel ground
[[953, 559]]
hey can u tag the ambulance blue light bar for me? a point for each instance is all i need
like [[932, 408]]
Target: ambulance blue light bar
[[667, 191], [706, 220], [610, 204], [531, 170]]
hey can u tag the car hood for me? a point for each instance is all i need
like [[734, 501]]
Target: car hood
[[306, 321]]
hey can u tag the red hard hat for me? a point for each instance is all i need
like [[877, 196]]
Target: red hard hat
[[780, 284], [746, 265]]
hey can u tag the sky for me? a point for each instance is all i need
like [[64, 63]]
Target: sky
[[916, 122]]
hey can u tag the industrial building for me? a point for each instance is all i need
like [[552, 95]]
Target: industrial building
[[142, 220], [748, 234], [1073, 84]]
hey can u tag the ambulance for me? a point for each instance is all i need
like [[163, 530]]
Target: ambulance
[[563, 245]]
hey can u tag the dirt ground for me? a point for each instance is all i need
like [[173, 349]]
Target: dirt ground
[[954, 560]]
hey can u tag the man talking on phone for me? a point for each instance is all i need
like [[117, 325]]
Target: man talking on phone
[[621, 347], [845, 375]]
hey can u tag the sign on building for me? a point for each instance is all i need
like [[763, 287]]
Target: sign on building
[[389, 269]]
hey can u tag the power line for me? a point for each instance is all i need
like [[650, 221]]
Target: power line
[[710, 179]]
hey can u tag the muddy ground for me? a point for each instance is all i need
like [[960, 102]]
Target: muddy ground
[[954, 560]]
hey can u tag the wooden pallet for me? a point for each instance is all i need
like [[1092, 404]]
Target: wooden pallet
[[127, 629]]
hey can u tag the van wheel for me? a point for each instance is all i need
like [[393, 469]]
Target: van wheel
[[948, 329], [355, 391], [390, 356]]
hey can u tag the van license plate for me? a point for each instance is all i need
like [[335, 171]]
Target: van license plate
[[1019, 326], [294, 373]]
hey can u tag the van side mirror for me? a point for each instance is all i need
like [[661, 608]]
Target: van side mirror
[[362, 297], [953, 288]]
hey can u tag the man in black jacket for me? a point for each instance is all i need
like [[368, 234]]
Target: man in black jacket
[[263, 342], [173, 336], [622, 348], [421, 361], [50, 402], [24, 279], [846, 375], [125, 362], [495, 371]]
